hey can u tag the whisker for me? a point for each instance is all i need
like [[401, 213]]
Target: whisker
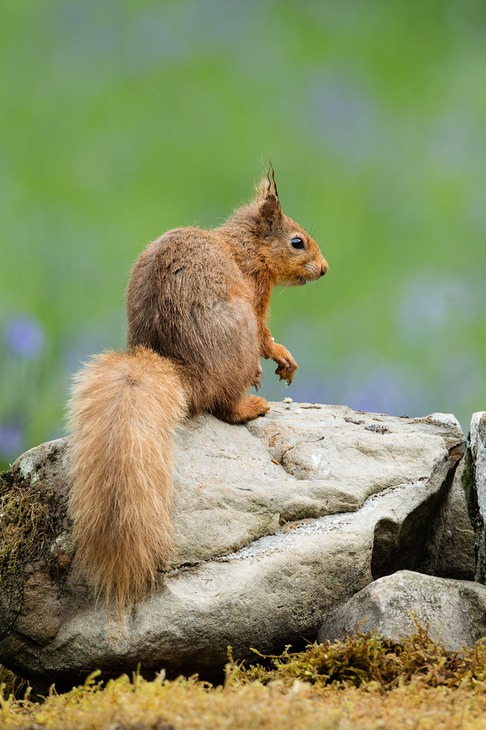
[[283, 288]]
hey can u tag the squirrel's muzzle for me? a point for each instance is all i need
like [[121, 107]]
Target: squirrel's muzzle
[[324, 267]]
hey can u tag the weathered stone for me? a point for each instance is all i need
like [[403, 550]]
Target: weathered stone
[[275, 524], [451, 552], [454, 611]]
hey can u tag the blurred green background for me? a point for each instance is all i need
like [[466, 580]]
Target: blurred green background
[[121, 119]]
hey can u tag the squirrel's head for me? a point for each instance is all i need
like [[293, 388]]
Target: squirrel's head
[[291, 254]]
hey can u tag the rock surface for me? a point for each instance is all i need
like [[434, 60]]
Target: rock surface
[[451, 550], [276, 523], [453, 610]]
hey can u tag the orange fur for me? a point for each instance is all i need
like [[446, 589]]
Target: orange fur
[[123, 413], [197, 306]]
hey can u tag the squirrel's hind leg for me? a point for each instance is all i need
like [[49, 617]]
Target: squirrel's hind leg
[[257, 380], [245, 409]]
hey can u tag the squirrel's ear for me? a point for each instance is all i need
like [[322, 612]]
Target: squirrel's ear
[[267, 197], [267, 185]]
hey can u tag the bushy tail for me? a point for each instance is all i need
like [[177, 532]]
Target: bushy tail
[[123, 412]]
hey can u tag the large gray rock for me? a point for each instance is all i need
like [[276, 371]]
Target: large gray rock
[[275, 524], [454, 611]]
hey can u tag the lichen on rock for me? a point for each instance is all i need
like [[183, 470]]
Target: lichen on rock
[[34, 527]]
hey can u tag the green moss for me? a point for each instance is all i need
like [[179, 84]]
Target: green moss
[[468, 484], [362, 682], [32, 519], [363, 659], [11, 685]]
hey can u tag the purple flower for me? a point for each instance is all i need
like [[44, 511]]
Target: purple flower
[[11, 440], [24, 337]]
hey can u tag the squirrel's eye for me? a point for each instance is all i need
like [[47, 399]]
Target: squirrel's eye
[[297, 242]]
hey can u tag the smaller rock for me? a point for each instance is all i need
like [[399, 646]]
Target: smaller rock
[[454, 611]]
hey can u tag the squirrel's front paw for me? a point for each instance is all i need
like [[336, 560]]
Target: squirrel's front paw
[[286, 363]]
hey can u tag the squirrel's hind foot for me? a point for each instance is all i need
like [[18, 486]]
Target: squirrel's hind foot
[[243, 410]]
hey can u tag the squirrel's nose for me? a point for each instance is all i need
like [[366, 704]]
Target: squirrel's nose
[[324, 267]]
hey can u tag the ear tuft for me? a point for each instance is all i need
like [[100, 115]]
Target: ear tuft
[[267, 197], [267, 185]]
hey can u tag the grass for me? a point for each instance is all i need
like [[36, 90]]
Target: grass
[[360, 682]]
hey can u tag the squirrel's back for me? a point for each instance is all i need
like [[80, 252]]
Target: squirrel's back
[[188, 300]]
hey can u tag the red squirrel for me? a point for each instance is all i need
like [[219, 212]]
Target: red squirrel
[[197, 306]]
